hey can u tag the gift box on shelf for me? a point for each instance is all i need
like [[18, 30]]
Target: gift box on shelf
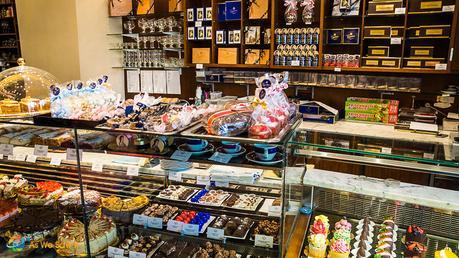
[[386, 62], [220, 37], [377, 32], [334, 36], [175, 5], [221, 16], [232, 10], [145, 7], [378, 51], [208, 11], [316, 111], [346, 8], [200, 55], [422, 62], [396, 31], [383, 7], [120, 7], [429, 31], [258, 9], [351, 36], [252, 56], [425, 5], [228, 55], [421, 51]]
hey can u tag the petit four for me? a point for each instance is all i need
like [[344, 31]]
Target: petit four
[[163, 211], [70, 202]]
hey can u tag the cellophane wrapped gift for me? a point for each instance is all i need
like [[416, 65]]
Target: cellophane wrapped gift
[[93, 100], [229, 122]]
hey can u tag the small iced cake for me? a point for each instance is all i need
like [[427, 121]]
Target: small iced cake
[[8, 209], [9, 186], [70, 202], [41, 194]]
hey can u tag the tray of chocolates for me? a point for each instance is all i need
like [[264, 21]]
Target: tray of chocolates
[[209, 197], [243, 201], [215, 250], [141, 244], [164, 211], [234, 227], [177, 193], [267, 228], [203, 219], [176, 248]]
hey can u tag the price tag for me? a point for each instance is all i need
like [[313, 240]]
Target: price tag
[[337, 69], [441, 67], [400, 10], [10, 157], [264, 241], [288, 23], [40, 150], [174, 226], [20, 157], [133, 254], [190, 229], [200, 74], [448, 8], [72, 154], [215, 233], [199, 66], [198, 24], [295, 63], [203, 180], [1, 156], [55, 161], [132, 171], [119, 256], [222, 184], [6, 149], [113, 251], [155, 222], [97, 167], [31, 158], [175, 176], [140, 220], [428, 155], [396, 41], [221, 157], [274, 211], [181, 155], [386, 150]]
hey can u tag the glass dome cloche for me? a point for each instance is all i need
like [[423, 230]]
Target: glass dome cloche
[[24, 91]]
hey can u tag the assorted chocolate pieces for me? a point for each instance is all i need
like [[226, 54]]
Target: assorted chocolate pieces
[[387, 237], [233, 226], [415, 240], [268, 228], [140, 244], [176, 192], [214, 250], [176, 248], [364, 238], [243, 201], [164, 211]]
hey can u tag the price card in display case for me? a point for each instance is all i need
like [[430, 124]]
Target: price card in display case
[[71, 154], [113, 252], [20, 157], [264, 241], [175, 176], [132, 171], [190, 229], [215, 233], [174, 226], [140, 220], [133, 254], [155, 222], [31, 158], [222, 184], [55, 161], [181, 155], [396, 41], [6, 149], [221, 157], [97, 167], [40, 150], [203, 180]]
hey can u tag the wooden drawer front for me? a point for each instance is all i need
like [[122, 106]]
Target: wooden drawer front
[[377, 32], [425, 5], [228, 55], [200, 55], [380, 7], [420, 51], [383, 62], [378, 51], [430, 31]]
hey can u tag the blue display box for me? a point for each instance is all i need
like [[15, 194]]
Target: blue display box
[[233, 10], [351, 35], [334, 36], [221, 12]]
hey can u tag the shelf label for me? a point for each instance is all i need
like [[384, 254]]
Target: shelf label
[[119, 256], [132, 171], [10, 157], [154, 222], [1, 156], [133, 254], [97, 167], [174, 226], [203, 180], [190, 229], [6, 149], [140, 220], [274, 211], [221, 157], [337, 69], [113, 251], [181, 155], [199, 66], [175, 176], [264, 241], [428, 155], [72, 154], [441, 67], [386, 150], [400, 10], [20, 157], [295, 63], [31, 158], [215, 233], [40, 150], [222, 184], [448, 8], [396, 41], [288, 23], [200, 74], [55, 161], [198, 24]]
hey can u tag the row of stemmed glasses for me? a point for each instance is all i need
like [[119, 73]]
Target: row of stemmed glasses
[[153, 25], [150, 59], [153, 42]]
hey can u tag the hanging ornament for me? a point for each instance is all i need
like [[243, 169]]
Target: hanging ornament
[[308, 11], [291, 11]]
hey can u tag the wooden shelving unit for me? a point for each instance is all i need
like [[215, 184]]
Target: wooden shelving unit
[[445, 46], [10, 49]]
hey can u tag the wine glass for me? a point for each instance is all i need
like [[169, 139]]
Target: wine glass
[[143, 24], [129, 25], [152, 25]]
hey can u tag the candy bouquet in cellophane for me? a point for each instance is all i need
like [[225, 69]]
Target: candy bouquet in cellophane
[[93, 100], [262, 118]]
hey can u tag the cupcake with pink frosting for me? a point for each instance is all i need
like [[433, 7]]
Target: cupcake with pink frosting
[[339, 249]]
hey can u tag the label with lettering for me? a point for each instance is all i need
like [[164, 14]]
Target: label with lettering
[[155, 222], [6, 149], [140, 220], [221, 157], [264, 241], [203, 180], [199, 66], [10, 157], [174, 226], [55, 161], [337, 69], [133, 254], [113, 251], [448, 8], [198, 24], [396, 41], [20, 157], [386, 150], [175, 176], [132, 171], [40, 150], [71, 154], [190, 229], [441, 67], [400, 10], [181, 155], [215, 233], [97, 167], [221, 183], [31, 158], [274, 211], [295, 63]]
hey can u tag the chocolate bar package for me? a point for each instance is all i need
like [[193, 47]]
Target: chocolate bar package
[[372, 110]]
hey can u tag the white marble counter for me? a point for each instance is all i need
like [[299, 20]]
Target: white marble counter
[[409, 193]]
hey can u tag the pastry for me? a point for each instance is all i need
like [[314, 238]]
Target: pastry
[[317, 244], [72, 241], [243, 201], [9, 106], [70, 202], [9, 186], [122, 210], [364, 238], [176, 192], [386, 238], [163, 211], [8, 209], [210, 197], [140, 244], [415, 233], [29, 104], [41, 194], [268, 228], [233, 226], [339, 249], [210, 250], [415, 249]]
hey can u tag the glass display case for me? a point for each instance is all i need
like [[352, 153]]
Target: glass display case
[[144, 194]]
